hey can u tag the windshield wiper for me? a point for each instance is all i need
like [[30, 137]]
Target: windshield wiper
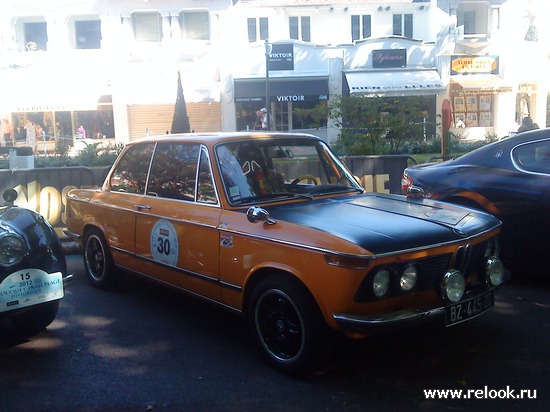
[[274, 196], [334, 189]]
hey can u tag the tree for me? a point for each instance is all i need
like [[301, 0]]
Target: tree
[[180, 123], [377, 125]]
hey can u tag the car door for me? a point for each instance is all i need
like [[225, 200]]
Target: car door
[[117, 205], [177, 236]]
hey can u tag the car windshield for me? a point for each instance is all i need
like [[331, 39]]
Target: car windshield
[[274, 169]]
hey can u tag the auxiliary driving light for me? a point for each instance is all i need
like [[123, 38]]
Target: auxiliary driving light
[[453, 285], [494, 271]]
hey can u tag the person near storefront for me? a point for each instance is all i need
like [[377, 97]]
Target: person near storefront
[[8, 132], [527, 124], [30, 128]]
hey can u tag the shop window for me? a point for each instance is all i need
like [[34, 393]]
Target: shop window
[[88, 34], [36, 36], [195, 25], [97, 124], [361, 27], [256, 26], [526, 100], [300, 28], [147, 26], [309, 115], [471, 109], [403, 25], [281, 117], [284, 115]]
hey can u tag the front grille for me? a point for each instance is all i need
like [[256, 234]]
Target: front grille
[[431, 271], [469, 260]]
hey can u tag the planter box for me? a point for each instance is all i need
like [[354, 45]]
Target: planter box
[[20, 159]]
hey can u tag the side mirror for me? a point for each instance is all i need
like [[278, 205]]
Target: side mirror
[[415, 192], [9, 196], [256, 214]]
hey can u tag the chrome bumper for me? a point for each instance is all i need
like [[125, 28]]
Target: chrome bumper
[[387, 321], [68, 280]]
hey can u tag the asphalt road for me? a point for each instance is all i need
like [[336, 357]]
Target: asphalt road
[[150, 348]]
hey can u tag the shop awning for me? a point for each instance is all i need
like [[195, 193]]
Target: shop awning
[[396, 83], [31, 90], [483, 82], [293, 89]]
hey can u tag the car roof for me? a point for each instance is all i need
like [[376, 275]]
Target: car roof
[[212, 139], [486, 154]]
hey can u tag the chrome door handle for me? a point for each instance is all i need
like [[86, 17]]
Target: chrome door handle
[[143, 207]]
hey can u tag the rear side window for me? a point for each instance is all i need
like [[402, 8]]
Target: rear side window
[[533, 157], [130, 174], [174, 171]]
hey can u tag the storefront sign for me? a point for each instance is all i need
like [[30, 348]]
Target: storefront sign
[[474, 64], [281, 57], [383, 59], [282, 90]]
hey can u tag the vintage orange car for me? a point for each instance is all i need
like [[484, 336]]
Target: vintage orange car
[[276, 228]]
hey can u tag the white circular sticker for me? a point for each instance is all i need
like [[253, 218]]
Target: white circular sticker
[[164, 243]]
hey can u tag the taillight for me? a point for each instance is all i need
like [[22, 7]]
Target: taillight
[[406, 182]]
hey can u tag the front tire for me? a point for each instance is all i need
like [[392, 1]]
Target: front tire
[[288, 326], [98, 261]]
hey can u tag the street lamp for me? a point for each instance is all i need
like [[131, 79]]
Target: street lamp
[[268, 48]]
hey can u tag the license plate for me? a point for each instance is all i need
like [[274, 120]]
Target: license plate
[[461, 311], [30, 287]]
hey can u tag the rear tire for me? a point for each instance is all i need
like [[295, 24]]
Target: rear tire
[[98, 261], [288, 326]]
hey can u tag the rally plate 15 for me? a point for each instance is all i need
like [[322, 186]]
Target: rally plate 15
[[29, 287]]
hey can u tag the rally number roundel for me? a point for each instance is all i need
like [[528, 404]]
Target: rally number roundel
[[164, 243]]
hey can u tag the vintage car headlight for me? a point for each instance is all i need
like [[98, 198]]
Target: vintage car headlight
[[453, 285], [381, 283], [494, 271], [12, 249], [408, 278]]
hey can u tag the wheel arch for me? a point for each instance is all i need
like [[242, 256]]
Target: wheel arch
[[262, 273], [471, 199]]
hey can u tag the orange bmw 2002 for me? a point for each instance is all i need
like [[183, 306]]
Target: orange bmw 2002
[[276, 228]]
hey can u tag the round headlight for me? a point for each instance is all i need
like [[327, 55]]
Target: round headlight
[[494, 271], [408, 278], [12, 249], [453, 285], [381, 283]]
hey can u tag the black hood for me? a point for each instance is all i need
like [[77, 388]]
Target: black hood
[[387, 223]]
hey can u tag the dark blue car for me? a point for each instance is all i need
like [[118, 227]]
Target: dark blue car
[[33, 270], [509, 179]]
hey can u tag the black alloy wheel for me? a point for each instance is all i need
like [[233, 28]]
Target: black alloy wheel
[[288, 325], [98, 261]]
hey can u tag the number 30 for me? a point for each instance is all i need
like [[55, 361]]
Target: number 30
[[163, 246]]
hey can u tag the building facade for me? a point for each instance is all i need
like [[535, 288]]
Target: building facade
[[112, 67]]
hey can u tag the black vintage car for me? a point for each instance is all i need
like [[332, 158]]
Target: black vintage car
[[510, 179], [32, 270]]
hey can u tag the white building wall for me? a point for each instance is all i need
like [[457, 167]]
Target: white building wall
[[127, 65]]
